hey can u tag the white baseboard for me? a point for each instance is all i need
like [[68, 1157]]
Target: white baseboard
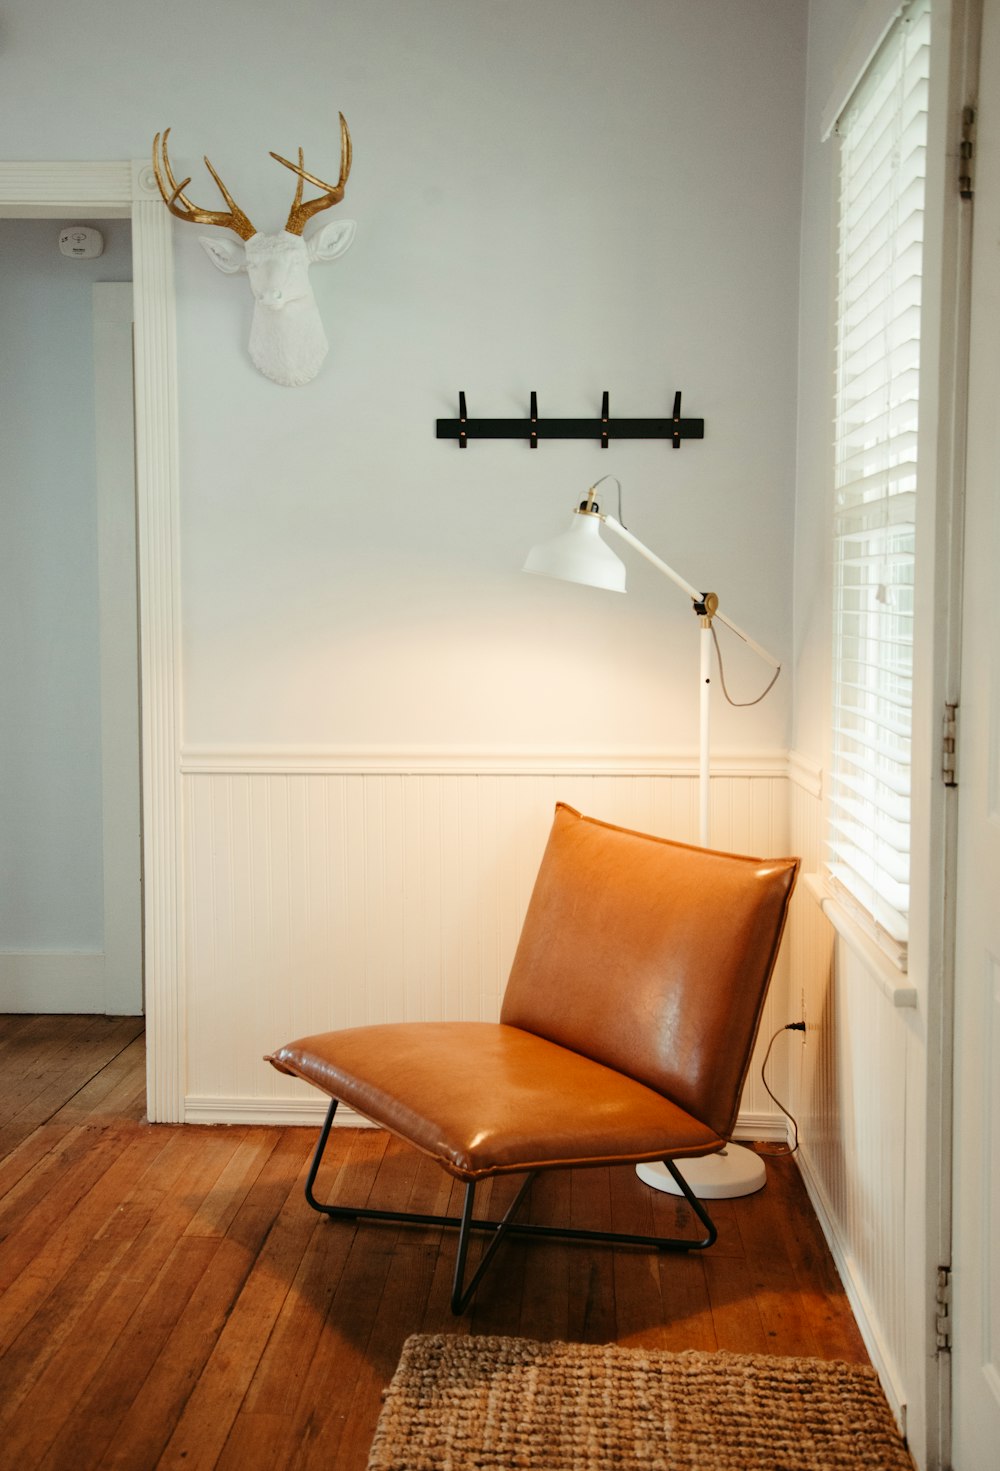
[[282, 1112], [861, 1305], [762, 1126], [52, 982]]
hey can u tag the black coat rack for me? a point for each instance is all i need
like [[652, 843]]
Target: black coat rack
[[603, 429]]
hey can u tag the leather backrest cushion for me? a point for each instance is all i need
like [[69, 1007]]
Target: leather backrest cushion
[[651, 957]]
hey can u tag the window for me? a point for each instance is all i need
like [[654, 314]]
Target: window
[[883, 136]]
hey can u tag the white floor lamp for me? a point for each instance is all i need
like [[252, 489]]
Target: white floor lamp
[[580, 555]]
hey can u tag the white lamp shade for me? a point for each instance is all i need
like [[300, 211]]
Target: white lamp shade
[[579, 555]]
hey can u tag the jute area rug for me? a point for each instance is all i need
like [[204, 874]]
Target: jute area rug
[[510, 1404]]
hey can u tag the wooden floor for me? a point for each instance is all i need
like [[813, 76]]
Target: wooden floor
[[169, 1299]]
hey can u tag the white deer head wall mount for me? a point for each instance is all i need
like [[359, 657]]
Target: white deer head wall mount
[[287, 340]]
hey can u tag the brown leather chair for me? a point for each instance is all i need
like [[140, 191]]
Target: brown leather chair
[[625, 1034]]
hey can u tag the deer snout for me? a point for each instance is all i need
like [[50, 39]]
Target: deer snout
[[273, 298]]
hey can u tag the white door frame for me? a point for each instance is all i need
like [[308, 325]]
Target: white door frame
[[975, 1350], [128, 190], [114, 403], [937, 632]]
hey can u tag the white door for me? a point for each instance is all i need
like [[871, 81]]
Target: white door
[[976, 1260], [119, 642]]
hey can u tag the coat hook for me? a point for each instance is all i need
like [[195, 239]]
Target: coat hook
[[602, 428]]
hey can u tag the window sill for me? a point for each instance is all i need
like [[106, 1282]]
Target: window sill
[[891, 981]]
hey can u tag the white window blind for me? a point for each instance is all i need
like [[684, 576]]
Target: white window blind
[[883, 146]]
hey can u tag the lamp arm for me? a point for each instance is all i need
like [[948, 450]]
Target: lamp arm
[[693, 593]]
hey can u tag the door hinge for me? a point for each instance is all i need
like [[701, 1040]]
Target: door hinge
[[949, 740], [942, 1319], [966, 153]]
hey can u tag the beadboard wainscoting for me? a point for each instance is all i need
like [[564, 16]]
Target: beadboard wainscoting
[[849, 1092], [338, 889]]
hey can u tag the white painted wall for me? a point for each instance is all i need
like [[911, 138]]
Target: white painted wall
[[567, 197], [51, 897]]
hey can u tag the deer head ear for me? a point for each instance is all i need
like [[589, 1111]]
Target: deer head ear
[[332, 240], [224, 254]]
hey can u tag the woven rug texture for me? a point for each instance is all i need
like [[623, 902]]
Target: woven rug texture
[[463, 1403]]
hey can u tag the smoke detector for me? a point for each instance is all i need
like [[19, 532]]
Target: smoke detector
[[81, 241]]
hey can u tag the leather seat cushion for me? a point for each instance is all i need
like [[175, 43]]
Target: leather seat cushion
[[485, 1098]]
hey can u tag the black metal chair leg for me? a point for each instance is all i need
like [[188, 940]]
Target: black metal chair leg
[[695, 1204], [467, 1222], [460, 1300], [318, 1153]]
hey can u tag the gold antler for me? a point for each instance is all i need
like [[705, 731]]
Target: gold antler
[[235, 219], [300, 213]]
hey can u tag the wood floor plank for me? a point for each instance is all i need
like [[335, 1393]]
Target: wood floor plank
[[774, 1280], [72, 1192], [64, 1166], [33, 1293], [198, 1382], [262, 1440], [28, 1038], [639, 1305], [203, 1428], [545, 1292], [144, 1430], [90, 1429], [106, 1282], [816, 1285], [117, 1091], [330, 1382], [23, 1149], [443, 1197], [591, 1305], [407, 1283], [14, 1026], [276, 1386], [496, 1307], [172, 1301], [735, 1314], [687, 1317], [220, 1206], [35, 1092], [136, 1212]]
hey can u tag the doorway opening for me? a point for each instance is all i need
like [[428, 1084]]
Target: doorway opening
[[123, 190], [70, 844]]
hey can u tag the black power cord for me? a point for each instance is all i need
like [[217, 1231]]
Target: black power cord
[[789, 1027]]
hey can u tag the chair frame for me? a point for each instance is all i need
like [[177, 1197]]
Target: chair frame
[[461, 1294]]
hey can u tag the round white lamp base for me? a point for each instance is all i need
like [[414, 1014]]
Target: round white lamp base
[[733, 1171]]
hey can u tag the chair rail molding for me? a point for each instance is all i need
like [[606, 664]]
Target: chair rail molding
[[376, 760], [43, 190]]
